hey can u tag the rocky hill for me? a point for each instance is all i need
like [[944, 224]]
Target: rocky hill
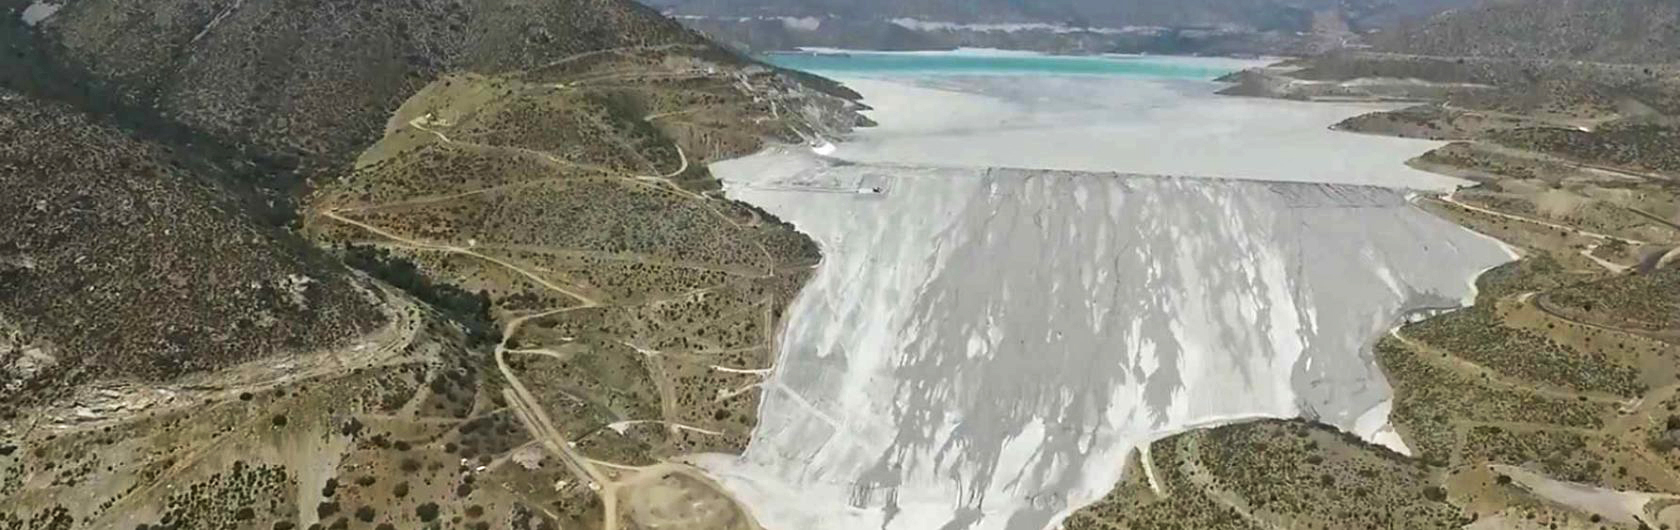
[[1066, 26], [285, 264], [1616, 31], [122, 262], [1611, 31], [299, 85], [203, 122]]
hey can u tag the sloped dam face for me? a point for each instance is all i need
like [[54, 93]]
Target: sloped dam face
[[981, 348]]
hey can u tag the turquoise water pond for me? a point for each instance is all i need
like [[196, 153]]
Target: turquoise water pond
[[1006, 64]]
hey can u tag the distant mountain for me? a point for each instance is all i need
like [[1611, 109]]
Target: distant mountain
[[1263, 15], [1192, 26], [1611, 31]]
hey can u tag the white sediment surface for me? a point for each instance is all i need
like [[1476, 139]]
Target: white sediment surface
[[38, 12], [1088, 123], [984, 343]]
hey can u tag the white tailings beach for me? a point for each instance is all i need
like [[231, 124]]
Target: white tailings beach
[[984, 343], [1155, 127]]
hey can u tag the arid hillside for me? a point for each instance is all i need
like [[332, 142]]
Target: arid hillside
[[1611, 31], [300, 84], [122, 263], [355, 265]]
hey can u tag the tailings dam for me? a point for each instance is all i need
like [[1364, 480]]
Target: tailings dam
[[984, 343]]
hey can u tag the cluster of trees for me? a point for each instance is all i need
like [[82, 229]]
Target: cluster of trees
[[470, 309]]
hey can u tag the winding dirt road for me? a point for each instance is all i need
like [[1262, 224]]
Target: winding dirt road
[[420, 245]]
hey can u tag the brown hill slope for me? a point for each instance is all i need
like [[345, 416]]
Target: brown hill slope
[[302, 83], [1612, 31], [544, 185], [118, 262]]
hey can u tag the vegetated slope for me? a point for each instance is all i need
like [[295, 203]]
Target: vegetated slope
[[120, 262], [1271, 474], [303, 83], [220, 104], [154, 198], [638, 307], [1615, 31]]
